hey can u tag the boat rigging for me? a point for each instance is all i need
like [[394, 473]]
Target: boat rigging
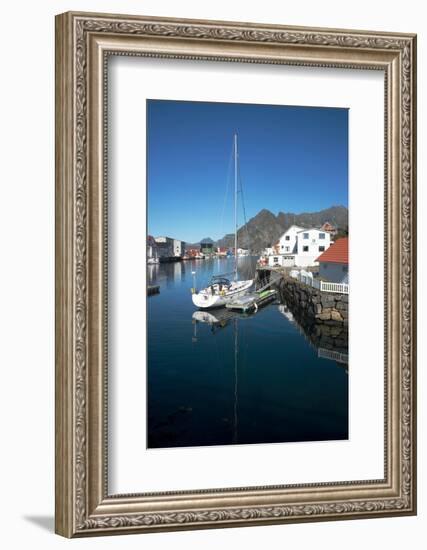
[[222, 290]]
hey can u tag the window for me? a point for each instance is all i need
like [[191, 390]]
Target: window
[[321, 235], [305, 248], [283, 246], [321, 249], [305, 235], [287, 238]]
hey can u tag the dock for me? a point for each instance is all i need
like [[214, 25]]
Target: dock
[[153, 289], [253, 301]]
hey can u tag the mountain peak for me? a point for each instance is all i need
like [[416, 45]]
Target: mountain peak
[[264, 213]]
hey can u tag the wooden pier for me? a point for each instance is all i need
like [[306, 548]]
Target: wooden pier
[[153, 289], [253, 301]]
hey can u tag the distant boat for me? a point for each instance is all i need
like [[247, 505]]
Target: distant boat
[[221, 290]]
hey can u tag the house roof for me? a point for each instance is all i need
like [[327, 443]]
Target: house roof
[[289, 228], [337, 253], [307, 229], [328, 224]]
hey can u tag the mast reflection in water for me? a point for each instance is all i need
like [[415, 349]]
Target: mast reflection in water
[[218, 378]]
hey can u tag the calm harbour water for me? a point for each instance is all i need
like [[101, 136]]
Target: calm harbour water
[[256, 379]]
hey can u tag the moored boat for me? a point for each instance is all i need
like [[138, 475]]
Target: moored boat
[[221, 290]]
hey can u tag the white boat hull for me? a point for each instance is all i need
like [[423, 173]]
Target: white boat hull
[[206, 299]]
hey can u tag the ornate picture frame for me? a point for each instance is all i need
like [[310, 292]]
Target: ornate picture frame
[[83, 43]]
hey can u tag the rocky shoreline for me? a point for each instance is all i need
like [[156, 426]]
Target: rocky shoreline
[[310, 304]]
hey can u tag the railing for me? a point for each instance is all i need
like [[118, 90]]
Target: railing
[[323, 286], [340, 288]]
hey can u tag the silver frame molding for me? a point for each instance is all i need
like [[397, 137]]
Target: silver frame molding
[[83, 43]]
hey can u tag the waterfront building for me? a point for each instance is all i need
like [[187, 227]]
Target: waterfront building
[[288, 241], [152, 252], [194, 253], [164, 248], [333, 263], [309, 243], [178, 248], [207, 248], [221, 250], [281, 260], [299, 247], [169, 249]]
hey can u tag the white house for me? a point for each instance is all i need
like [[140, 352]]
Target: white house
[[283, 252], [333, 263], [311, 242], [288, 241], [299, 247]]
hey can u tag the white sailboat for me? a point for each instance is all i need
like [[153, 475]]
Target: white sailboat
[[221, 290]]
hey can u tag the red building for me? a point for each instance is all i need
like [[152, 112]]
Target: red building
[[329, 228], [333, 263]]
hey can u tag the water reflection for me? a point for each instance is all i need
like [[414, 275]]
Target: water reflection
[[220, 377], [330, 341]]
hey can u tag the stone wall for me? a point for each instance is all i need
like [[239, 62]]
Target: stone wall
[[309, 303]]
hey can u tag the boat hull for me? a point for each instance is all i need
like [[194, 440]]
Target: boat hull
[[206, 300]]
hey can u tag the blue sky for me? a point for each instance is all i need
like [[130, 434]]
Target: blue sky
[[292, 159]]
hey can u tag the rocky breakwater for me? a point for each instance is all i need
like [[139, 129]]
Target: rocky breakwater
[[310, 304]]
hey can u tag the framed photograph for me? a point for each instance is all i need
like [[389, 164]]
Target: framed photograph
[[235, 274]]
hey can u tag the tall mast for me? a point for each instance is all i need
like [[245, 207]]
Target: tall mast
[[235, 206]]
